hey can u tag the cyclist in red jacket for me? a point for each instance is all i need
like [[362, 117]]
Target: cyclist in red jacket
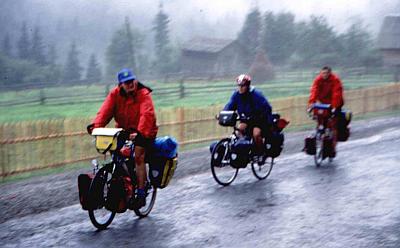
[[131, 106], [327, 88]]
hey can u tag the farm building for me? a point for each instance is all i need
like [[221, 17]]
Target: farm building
[[389, 42], [212, 57]]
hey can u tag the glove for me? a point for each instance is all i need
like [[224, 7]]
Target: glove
[[132, 136], [310, 107], [90, 128]]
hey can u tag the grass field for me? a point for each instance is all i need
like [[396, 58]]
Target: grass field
[[197, 94]]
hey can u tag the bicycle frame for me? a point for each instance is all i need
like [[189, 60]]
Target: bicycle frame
[[325, 124], [113, 172]]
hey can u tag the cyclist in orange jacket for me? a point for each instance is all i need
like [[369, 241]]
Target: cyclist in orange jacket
[[131, 106], [327, 88]]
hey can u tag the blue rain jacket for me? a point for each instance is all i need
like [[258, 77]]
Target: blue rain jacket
[[252, 104]]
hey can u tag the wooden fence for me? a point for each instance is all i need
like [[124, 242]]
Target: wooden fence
[[27, 146]]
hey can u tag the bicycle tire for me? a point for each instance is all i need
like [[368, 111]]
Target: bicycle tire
[[217, 156], [100, 181], [256, 171]]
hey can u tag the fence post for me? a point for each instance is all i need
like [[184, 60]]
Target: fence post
[[181, 120], [42, 97], [181, 88]]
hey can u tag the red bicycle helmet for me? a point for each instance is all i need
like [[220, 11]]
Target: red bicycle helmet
[[243, 80]]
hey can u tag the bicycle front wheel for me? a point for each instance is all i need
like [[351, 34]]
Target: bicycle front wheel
[[222, 171], [262, 171], [318, 156], [100, 217]]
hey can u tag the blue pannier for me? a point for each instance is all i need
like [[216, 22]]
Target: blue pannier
[[240, 153], [163, 161], [212, 146], [166, 147]]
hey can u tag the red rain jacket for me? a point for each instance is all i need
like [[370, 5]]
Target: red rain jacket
[[130, 112], [327, 91]]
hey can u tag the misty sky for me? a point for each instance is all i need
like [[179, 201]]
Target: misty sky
[[338, 12], [96, 20], [233, 12]]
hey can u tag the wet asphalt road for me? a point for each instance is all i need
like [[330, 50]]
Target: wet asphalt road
[[352, 202]]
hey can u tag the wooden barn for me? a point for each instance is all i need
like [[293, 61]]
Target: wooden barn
[[212, 57], [389, 42]]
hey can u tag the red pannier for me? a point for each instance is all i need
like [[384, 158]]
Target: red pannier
[[84, 181]]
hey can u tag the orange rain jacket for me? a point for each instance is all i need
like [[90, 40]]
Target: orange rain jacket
[[129, 111], [327, 91]]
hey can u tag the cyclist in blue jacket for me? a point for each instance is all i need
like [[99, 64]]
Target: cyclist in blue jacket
[[254, 111]]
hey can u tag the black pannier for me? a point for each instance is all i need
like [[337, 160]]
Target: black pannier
[[162, 169], [163, 161], [327, 144], [227, 118], [116, 196], [95, 196], [343, 121], [84, 181], [240, 152], [274, 144], [310, 145], [343, 133]]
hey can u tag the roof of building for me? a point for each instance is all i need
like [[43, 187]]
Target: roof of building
[[389, 35], [209, 45]]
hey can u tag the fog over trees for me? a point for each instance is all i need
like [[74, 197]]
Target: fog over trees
[[41, 40]]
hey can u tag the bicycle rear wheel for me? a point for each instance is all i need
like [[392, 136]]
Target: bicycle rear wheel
[[223, 173], [262, 171], [150, 200], [100, 217], [151, 194]]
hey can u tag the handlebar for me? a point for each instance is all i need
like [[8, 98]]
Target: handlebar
[[320, 106], [321, 109], [238, 118]]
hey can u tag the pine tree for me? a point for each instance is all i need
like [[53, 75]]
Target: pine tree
[[317, 43], [278, 36], [24, 43], [53, 67], [93, 70], [249, 36], [161, 40], [37, 51], [7, 48], [72, 69], [356, 43], [121, 52], [52, 55]]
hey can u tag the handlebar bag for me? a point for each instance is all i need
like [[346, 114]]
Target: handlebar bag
[[227, 118], [106, 139]]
